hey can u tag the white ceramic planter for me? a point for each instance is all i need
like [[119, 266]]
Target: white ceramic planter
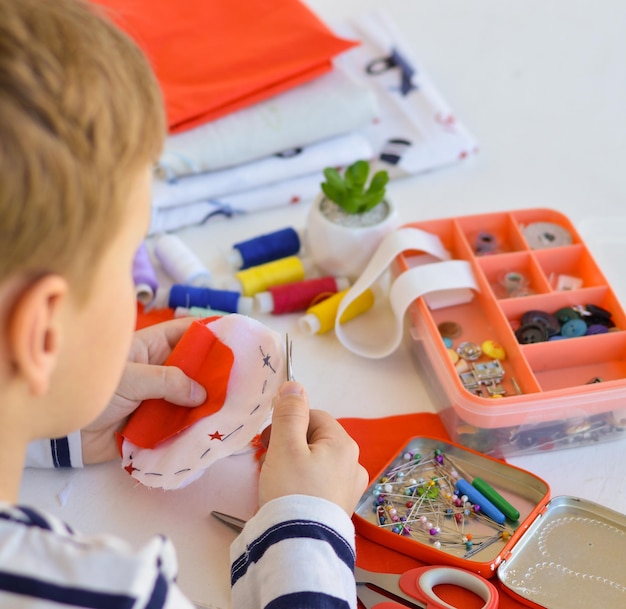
[[344, 249]]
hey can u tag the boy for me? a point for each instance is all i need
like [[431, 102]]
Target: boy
[[80, 126]]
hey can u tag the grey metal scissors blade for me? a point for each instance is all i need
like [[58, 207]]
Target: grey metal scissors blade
[[389, 582], [369, 597], [288, 357], [233, 522]]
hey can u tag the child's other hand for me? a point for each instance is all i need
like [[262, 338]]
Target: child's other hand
[[144, 377], [309, 453]]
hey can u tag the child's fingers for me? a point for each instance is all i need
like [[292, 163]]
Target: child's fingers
[[145, 381], [290, 419]]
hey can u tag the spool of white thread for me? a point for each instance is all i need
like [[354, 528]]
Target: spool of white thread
[[180, 263]]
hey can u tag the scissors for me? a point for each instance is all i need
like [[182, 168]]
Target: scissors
[[414, 587]]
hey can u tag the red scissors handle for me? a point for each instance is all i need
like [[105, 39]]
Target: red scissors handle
[[419, 584]]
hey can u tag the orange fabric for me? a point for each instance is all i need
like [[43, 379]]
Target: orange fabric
[[154, 316], [206, 359], [213, 57], [379, 440]]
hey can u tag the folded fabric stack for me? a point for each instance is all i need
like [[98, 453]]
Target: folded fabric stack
[[260, 98]]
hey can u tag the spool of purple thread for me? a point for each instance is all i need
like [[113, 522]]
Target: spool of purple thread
[[144, 275], [188, 296], [265, 248]]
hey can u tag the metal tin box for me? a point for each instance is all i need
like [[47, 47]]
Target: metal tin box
[[564, 553]]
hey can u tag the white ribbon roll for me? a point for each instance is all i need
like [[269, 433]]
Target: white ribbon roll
[[443, 283]]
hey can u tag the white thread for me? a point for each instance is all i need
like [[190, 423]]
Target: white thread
[[180, 263]]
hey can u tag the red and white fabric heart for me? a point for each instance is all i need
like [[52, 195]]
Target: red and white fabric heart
[[241, 363]]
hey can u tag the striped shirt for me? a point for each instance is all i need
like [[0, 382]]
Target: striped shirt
[[57, 452], [297, 552], [44, 564]]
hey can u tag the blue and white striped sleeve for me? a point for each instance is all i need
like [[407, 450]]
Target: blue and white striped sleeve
[[56, 452], [297, 551], [45, 565]]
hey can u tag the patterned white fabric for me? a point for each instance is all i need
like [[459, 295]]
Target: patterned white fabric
[[414, 131]]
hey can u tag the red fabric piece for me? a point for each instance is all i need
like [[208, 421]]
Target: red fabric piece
[[379, 440], [206, 359], [154, 316], [214, 57]]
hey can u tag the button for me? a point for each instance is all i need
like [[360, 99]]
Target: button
[[449, 329], [598, 311], [549, 321], [565, 314], [493, 350], [598, 315], [461, 365], [454, 356], [469, 351], [531, 333], [596, 329], [574, 328]]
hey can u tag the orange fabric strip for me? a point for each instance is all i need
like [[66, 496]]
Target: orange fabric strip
[[206, 359], [212, 58], [154, 316]]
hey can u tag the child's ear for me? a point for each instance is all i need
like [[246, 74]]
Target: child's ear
[[35, 331]]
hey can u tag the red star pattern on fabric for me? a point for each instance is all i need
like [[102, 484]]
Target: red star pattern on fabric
[[216, 435], [130, 469]]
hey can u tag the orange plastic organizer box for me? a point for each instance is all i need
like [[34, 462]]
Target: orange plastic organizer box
[[560, 384]]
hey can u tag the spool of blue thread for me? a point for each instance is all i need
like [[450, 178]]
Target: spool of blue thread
[[223, 300], [265, 248]]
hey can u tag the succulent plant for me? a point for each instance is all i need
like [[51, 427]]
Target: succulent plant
[[351, 191]]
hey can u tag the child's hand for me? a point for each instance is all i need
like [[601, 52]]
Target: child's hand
[[309, 453], [144, 377]]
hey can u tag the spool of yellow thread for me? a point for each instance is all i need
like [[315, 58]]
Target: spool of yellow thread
[[278, 272], [321, 317]]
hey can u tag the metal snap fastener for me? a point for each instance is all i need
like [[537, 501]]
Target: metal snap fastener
[[574, 328], [488, 372], [531, 333], [549, 321], [469, 380], [496, 390], [469, 351]]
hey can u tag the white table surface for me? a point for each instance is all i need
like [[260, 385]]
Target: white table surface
[[542, 85]]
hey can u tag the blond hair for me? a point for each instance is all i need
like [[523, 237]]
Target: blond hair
[[80, 115]]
